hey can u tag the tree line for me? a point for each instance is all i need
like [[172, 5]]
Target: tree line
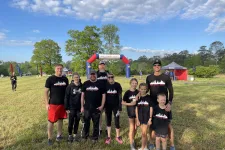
[[81, 45]]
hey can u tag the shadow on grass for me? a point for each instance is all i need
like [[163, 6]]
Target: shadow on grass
[[196, 127], [36, 138]]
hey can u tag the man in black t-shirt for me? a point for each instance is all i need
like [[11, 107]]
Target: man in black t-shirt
[[161, 83], [102, 78], [92, 103], [13, 79], [56, 85]]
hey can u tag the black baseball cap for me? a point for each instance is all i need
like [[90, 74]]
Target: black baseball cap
[[157, 61], [101, 62], [93, 72]]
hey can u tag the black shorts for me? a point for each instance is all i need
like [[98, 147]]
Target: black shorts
[[144, 118], [131, 112]]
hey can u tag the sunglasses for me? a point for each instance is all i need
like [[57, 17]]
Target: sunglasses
[[93, 74], [111, 77]]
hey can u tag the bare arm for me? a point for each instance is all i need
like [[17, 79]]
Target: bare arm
[[103, 100], [128, 104], [82, 102], [46, 96], [150, 119], [137, 120]]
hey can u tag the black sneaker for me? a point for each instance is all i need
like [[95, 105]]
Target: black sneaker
[[50, 143], [70, 138], [59, 138]]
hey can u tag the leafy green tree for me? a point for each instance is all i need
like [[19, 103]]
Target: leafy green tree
[[46, 53], [82, 45], [111, 40]]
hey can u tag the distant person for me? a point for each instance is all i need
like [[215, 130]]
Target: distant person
[[92, 103], [140, 73], [102, 77], [113, 105], [167, 72], [129, 100], [55, 88], [171, 75], [161, 119], [13, 79], [73, 106], [160, 83]]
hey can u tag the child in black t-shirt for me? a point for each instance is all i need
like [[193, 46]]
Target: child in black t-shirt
[[144, 112], [72, 105], [161, 121], [129, 100]]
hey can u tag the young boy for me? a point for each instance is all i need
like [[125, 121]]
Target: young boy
[[73, 106], [161, 120]]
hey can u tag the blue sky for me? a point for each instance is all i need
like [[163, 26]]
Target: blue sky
[[147, 27]]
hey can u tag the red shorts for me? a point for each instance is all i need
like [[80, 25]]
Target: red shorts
[[56, 112]]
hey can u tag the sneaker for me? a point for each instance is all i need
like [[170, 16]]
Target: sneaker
[[100, 132], [50, 142], [70, 138], [108, 140], [119, 140], [94, 141], [151, 147], [144, 148], [132, 147], [59, 138], [172, 148]]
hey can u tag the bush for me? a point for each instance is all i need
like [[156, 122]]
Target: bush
[[206, 72]]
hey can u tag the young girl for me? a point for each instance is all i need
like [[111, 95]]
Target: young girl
[[144, 112], [161, 121], [129, 100]]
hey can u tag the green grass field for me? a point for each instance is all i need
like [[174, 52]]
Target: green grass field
[[198, 117]]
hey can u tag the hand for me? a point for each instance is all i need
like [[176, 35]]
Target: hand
[[133, 103], [100, 108], [168, 107], [149, 122], [82, 109], [68, 111], [138, 122], [47, 107]]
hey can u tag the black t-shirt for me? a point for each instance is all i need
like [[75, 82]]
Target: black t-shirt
[[73, 97], [160, 120], [144, 104], [13, 78], [92, 94], [57, 87], [113, 92], [129, 96], [159, 84], [102, 76]]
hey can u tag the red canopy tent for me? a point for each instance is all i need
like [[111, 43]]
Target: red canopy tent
[[180, 72]]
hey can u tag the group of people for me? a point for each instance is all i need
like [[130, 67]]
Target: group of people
[[101, 93]]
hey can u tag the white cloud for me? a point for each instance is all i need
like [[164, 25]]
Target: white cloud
[[36, 31], [150, 51], [17, 43], [4, 30], [2, 36], [135, 11]]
